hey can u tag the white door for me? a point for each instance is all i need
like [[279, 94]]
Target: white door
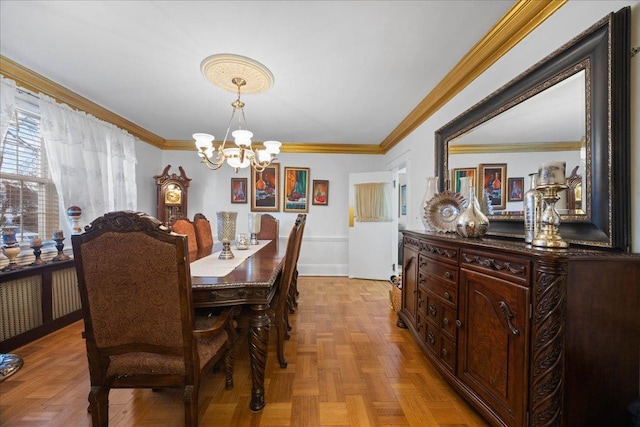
[[372, 251]]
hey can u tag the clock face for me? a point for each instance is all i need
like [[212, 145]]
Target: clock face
[[173, 195]]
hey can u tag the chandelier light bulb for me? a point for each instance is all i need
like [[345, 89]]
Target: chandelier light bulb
[[272, 147], [242, 137], [264, 156], [203, 141]]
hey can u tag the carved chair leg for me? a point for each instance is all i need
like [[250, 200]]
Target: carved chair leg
[[190, 399], [229, 358], [287, 326], [99, 405], [281, 327]]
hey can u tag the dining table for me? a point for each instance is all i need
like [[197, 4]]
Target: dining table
[[249, 279]]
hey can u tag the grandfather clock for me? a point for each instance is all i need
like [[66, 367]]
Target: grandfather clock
[[172, 194]]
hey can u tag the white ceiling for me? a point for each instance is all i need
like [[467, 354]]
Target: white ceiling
[[345, 71]]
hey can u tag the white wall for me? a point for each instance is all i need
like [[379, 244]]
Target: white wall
[[325, 248], [572, 19]]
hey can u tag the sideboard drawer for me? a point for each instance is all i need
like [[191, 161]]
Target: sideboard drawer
[[506, 267], [447, 353], [448, 292], [448, 321], [446, 272]]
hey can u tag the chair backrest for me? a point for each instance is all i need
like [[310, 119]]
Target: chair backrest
[[288, 267], [182, 225], [204, 235], [302, 219], [135, 288], [269, 228]]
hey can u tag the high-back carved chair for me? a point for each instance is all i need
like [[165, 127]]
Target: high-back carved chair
[[204, 235], [140, 327], [279, 307], [293, 291], [183, 225], [269, 228]]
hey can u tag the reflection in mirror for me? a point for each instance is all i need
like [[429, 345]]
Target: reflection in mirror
[[589, 130], [550, 125]]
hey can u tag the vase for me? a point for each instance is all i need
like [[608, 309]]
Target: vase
[[472, 222], [533, 205], [254, 227], [226, 232], [432, 190], [485, 204], [242, 241], [75, 213], [465, 183]]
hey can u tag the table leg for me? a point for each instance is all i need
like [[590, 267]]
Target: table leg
[[258, 345]]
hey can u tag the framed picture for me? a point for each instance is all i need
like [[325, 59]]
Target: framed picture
[[296, 189], [462, 173], [493, 177], [515, 187], [403, 200], [320, 192], [238, 190], [265, 189]]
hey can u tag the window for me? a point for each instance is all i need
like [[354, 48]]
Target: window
[[28, 198]]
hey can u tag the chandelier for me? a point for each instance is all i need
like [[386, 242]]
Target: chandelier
[[254, 77]]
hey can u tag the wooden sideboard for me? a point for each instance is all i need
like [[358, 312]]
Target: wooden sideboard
[[528, 336]]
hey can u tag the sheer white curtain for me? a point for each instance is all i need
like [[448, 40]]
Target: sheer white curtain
[[373, 202], [8, 93], [92, 162]]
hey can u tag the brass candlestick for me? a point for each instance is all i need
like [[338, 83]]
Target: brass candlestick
[[36, 245], [58, 237], [548, 235]]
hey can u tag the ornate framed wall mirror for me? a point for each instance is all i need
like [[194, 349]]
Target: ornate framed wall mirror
[[572, 106]]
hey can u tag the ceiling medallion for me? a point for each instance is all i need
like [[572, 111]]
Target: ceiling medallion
[[220, 69]]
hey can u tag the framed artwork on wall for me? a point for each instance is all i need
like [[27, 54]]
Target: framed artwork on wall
[[320, 192], [492, 177], [516, 189], [296, 189], [265, 189], [461, 173], [238, 190]]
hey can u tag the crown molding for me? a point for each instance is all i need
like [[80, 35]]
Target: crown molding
[[36, 83], [523, 17], [527, 147], [292, 147]]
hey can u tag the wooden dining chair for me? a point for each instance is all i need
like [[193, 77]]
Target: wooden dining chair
[[293, 291], [204, 235], [278, 308], [182, 225], [269, 228], [140, 326]]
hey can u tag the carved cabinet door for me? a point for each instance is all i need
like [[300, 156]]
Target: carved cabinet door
[[410, 283], [492, 337]]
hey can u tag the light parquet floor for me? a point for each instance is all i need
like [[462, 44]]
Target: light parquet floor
[[349, 365]]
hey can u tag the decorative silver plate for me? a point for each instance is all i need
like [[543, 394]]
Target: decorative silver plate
[[443, 209]]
